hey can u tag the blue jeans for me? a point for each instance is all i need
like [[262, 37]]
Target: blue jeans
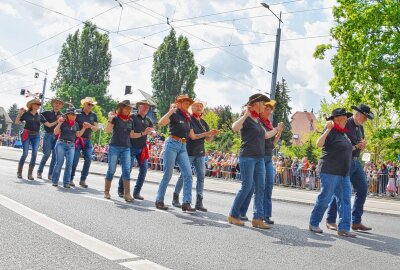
[[199, 165], [175, 151], [338, 186], [359, 181], [34, 140], [135, 154], [63, 150], [87, 156], [49, 143], [252, 171], [124, 155]]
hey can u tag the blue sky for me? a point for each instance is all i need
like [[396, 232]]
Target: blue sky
[[232, 73]]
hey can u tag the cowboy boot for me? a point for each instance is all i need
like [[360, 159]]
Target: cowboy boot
[[39, 175], [19, 172], [30, 172], [199, 204], [187, 208], [175, 200], [127, 191], [107, 187]]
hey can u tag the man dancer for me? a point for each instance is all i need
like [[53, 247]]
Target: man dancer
[[84, 143], [143, 126], [357, 175], [49, 121]]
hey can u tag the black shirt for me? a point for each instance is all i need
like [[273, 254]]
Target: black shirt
[[90, 118], [50, 117], [253, 139], [121, 131], [68, 133], [355, 134], [32, 122], [178, 125], [336, 154], [195, 148], [140, 124], [269, 143]]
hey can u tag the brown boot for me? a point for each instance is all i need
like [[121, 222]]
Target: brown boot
[[39, 175], [360, 227], [188, 208], [19, 172], [127, 191], [235, 221], [107, 187], [160, 205], [199, 204], [331, 226], [259, 223], [30, 172]]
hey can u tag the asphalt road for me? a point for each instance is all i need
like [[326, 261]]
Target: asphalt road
[[30, 240]]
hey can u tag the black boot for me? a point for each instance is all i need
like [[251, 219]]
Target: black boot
[[199, 204], [175, 200], [30, 172], [19, 172]]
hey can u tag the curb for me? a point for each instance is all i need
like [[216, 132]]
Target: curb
[[229, 193]]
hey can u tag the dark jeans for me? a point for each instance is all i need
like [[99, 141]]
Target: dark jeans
[[359, 181], [34, 140], [135, 154], [87, 156], [49, 143]]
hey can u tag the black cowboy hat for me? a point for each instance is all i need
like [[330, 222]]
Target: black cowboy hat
[[72, 111], [365, 110], [339, 112], [126, 102], [257, 98]]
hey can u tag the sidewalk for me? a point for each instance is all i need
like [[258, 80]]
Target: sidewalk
[[380, 205]]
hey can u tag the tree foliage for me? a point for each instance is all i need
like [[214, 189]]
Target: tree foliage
[[84, 66], [174, 71], [283, 110], [13, 112], [366, 64]]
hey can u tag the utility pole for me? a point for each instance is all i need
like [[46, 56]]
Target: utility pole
[[44, 86]]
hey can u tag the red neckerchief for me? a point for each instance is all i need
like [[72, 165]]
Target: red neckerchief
[[254, 114], [70, 123], [78, 141], [25, 135], [195, 115], [339, 129], [144, 155], [186, 114], [266, 123], [124, 117]]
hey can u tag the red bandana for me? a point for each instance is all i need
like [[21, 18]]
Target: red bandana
[[124, 117], [254, 114], [195, 115], [186, 114], [338, 128], [70, 123], [266, 123]]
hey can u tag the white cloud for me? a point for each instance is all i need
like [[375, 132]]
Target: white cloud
[[7, 9]]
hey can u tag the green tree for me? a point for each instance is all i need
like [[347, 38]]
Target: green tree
[[13, 112], [225, 117], [83, 67], [366, 64], [174, 71], [283, 110]]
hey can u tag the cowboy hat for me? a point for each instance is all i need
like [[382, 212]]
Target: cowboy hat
[[365, 110], [257, 98], [55, 99], [33, 101], [181, 98], [271, 103], [126, 102], [197, 101], [339, 112], [142, 102], [89, 100], [72, 111]]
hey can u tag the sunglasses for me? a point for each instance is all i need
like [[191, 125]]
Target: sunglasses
[[91, 105], [36, 104]]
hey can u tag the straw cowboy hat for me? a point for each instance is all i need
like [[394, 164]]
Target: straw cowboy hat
[[89, 100], [197, 101], [31, 102], [55, 99], [270, 103], [142, 102], [181, 98]]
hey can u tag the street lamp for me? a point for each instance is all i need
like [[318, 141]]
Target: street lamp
[[276, 55], [44, 84]]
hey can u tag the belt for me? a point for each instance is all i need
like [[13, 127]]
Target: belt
[[31, 132], [86, 139], [176, 138], [65, 141], [356, 158]]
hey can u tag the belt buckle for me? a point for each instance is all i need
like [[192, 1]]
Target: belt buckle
[[183, 140]]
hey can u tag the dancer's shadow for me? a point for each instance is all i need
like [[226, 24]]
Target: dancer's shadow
[[29, 182], [202, 219], [376, 242], [140, 206]]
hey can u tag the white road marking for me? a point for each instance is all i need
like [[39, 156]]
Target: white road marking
[[143, 265], [99, 247], [97, 198]]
